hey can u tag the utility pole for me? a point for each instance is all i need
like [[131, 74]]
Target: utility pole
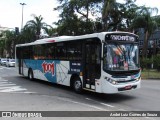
[[22, 13]]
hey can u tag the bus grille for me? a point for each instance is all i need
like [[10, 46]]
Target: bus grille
[[125, 81]]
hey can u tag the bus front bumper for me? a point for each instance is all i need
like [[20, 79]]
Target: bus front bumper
[[109, 88]]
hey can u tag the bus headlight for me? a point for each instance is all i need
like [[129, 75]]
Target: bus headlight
[[111, 81], [139, 78]]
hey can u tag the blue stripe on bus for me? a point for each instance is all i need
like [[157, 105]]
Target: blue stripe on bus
[[47, 67]]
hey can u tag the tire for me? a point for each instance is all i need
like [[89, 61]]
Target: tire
[[30, 75], [77, 85]]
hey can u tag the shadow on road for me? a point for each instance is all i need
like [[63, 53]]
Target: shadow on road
[[107, 98], [111, 98]]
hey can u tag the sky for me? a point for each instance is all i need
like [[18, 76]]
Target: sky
[[11, 11]]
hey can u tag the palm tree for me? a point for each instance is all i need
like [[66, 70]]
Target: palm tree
[[36, 25], [147, 22], [27, 35], [51, 31]]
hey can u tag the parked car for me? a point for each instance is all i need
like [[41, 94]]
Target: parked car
[[10, 62], [3, 61]]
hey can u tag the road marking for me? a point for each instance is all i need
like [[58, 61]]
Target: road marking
[[4, 67], [7, 86], [3, 80], [12, 89], [84, 104], [100, 102], [107, 105]]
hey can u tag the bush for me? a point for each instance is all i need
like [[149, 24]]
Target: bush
[[156, 61], [145, 63]]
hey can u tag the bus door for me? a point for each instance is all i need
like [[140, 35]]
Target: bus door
[[19, 53], [92, 63]]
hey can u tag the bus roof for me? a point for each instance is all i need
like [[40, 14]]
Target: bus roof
[[65, 38]]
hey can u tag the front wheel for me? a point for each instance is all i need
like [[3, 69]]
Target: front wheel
[[77, 85]]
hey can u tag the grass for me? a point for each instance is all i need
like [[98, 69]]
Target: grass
[[150, 74]]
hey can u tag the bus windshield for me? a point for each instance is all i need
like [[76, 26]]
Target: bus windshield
[[121, 57]]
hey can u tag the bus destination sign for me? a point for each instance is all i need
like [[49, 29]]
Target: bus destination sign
[[123, 37]]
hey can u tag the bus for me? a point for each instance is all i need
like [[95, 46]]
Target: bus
[[105, 62]]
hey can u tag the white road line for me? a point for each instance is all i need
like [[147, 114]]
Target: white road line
[[12, 89], [27, 92], [100, 102], [6, 86], [2, 80], [84, 104], [122, 109], [4, 67], [107, 105], [1, 85]]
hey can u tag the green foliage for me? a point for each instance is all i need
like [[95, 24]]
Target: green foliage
[[74, 18], [7, 42], [150, 74], [109, 14], [145, 63], [145, 20], [156, 61], [35, 26], [157, 19]]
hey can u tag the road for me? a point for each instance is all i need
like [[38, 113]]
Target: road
[[17, 93]]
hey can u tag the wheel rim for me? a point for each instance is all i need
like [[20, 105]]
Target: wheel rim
[[77, 85]]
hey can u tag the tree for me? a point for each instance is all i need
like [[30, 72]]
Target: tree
[[157, 19], [2, 45], [27, 35], [129, 11], [8, 43], [51, 31], [75, 16], [36, 25], [147, 22], [111, 15]]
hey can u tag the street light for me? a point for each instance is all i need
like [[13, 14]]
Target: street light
[[22, 13]]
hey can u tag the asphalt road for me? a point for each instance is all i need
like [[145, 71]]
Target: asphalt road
[[17, 93]]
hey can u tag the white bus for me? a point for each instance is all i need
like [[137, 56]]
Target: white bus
[[106, 62]]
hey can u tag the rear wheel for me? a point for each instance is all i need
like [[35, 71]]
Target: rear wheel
[[30, 75], [77, 85]]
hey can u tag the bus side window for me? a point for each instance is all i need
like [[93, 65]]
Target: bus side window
[[50, 52], [60, 51], [74, 51], [40, 52], [27, 52]]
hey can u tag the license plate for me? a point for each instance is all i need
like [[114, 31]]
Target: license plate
[[128, 87]]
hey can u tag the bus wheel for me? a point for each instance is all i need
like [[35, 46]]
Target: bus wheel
[[30, 74], [77, 85]]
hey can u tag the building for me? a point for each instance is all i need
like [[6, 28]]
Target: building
[[153, 42]]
